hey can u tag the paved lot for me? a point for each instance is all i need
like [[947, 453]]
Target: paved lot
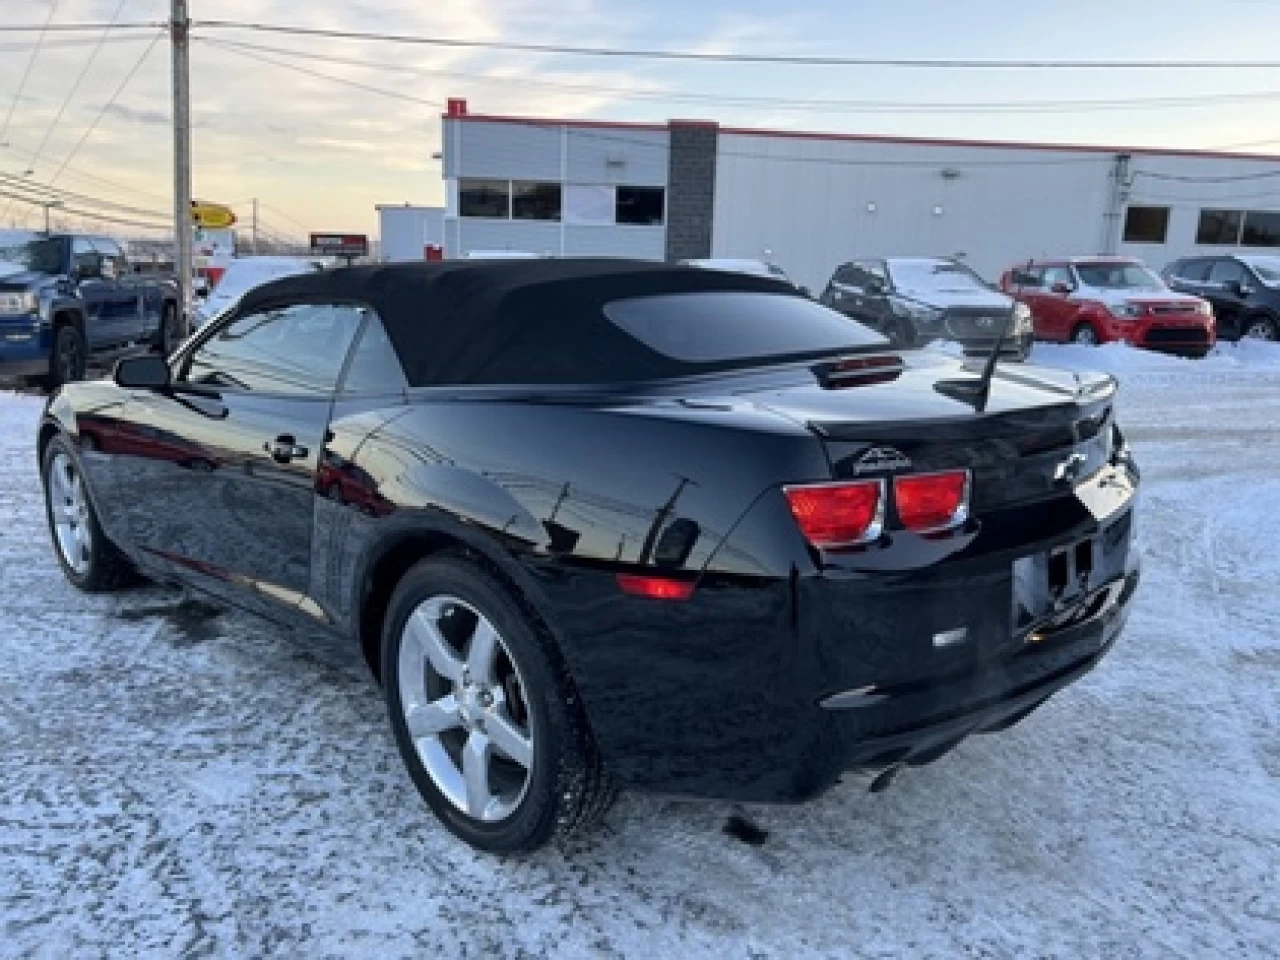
[[175, 782]]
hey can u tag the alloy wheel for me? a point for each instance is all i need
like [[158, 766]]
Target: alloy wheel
[[69, 508], [1086, 336], [463, 704], [1260, 329]]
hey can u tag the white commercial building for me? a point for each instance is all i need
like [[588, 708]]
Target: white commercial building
[[809, 201], [407, 232]]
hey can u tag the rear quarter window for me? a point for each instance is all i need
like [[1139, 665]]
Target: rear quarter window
[[716, 327]]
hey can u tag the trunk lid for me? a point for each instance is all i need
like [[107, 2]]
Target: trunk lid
[[1041, 429]]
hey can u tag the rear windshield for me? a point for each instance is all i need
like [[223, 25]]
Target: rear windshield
[[718, 327]]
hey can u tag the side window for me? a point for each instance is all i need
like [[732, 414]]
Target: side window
[[113, 262], [873, 274], [1224, 271], [82, 252], [374, 366], [1055, 275], [296, 349], [1030, 278], [1196, 271]]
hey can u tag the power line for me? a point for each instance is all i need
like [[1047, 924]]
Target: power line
[[75, 87], [79, 27], [69, 43], [19, 183], [106, 106], [297, 223], [777, 59], [786, 103], [649, 145], [88, 215], [95, 178], [356, 84], [26, 73]]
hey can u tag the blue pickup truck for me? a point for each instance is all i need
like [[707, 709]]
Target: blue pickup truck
[[69, 298]]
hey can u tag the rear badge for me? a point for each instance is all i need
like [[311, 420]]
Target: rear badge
[[881, 460]]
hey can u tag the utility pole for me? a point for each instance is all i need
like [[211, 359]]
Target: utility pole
[[255, 226], [180, 41], [48, 205]]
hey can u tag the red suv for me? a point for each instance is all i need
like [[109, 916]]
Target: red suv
[[1105, 299]]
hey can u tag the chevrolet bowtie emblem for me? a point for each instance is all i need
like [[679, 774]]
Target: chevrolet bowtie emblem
[[1069, 469]]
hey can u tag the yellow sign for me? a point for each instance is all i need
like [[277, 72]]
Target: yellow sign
[[211, 216]]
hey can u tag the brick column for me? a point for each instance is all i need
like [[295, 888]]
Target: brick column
[[691, 188]]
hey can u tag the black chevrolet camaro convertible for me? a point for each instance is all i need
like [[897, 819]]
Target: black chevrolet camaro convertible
[[597, 523]]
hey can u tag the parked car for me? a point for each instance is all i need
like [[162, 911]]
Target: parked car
[[913, 300], [65, 298], [241, 276], [608, 522], [1092, 300], [1244, 291]]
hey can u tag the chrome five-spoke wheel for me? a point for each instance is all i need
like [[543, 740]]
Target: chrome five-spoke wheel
[[465, 709], [69, 510]]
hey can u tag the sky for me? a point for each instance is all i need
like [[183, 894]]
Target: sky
[[320, 153]]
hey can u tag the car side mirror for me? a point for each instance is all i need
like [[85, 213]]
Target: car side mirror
[[88, 266], [147, 372], [1061, 287]]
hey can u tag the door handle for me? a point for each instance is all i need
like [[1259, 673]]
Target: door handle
[[284, 449]]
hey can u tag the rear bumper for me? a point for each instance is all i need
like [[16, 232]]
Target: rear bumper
[[769, 689], [1187, 338], [917, 726]]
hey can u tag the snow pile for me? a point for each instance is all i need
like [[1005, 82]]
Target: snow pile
[[1120, 358], [175, 783]]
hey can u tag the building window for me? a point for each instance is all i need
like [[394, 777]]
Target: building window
[[1146, 224], [535, 201], [639, 205], [484, 198], [1262, 228], [1220, 227]]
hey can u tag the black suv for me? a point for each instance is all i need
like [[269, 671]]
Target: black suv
[[913, 300], [65, 298], [1244, 291]]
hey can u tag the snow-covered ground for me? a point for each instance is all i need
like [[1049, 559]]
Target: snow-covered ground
[[176, 783]]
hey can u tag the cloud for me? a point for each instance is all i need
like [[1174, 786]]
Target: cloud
[[156, 118]]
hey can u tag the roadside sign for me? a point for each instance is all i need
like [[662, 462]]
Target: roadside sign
[[211, 216], [340, 244]]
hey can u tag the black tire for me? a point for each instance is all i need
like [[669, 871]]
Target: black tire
[[567, 789], [167, 334], [107, 569], [1259, 326], [1084, 335], [67, 364]]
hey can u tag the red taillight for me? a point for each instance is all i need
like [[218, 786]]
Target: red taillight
[[655, 588], [932, 501], [838, 514]]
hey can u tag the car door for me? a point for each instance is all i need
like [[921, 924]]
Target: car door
[[225, 494], [1228, 287], [123, 291]]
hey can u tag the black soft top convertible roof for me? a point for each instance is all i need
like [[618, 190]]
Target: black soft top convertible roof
[[512, 321]]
